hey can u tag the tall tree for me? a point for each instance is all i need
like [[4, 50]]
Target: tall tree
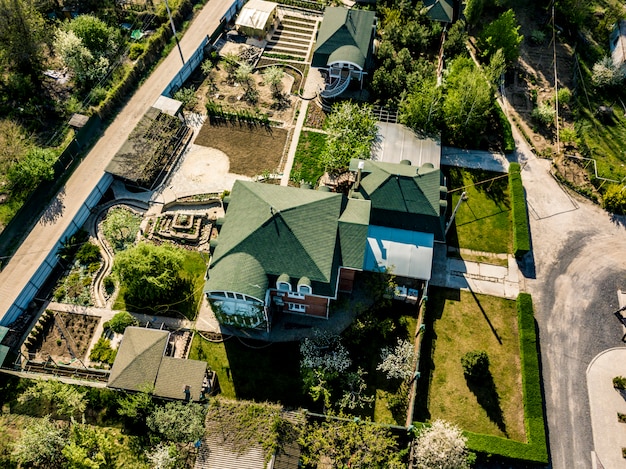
[[178, 422], [467, 104], [503, 33], [23, 34], [40, 444], [351, 132], [151, 274], [422, 108]]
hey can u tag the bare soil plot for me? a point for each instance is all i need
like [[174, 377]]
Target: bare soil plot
[[250, 149], [67, 337]]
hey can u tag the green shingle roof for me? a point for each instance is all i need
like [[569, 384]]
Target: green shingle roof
[[402, 196], [175, 374], [239, 272], [287, 230], [138, 359], [440, 10], [345, 35], [353, 226]]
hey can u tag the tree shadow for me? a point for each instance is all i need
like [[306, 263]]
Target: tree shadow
[[488, 398], [55, 209], [494, 189]]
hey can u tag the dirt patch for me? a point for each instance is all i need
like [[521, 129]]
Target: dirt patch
[[251, 150], [65, 337], [216, 88]]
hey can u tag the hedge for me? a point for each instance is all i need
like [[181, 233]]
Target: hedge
[[507, 132], [535, 450], [521, 229]]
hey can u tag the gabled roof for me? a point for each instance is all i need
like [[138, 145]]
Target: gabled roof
[[440, 10], [138, 359], [402, 196], [175, 374], [346, 36], [353, 226], [287, 230]]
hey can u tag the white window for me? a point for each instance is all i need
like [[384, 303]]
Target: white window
[[297, 307], [305, 289], [283, 286]]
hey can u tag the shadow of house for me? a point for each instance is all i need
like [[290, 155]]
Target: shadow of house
[[142, 363]]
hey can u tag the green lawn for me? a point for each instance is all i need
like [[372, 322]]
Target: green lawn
[[482, 222], [306, 164], [459, 322]]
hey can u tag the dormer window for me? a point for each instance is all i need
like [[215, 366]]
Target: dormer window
[[304, 286], [283, 283]]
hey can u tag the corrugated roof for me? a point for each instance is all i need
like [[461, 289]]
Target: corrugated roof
[[215, 453], [239, 272], [175, 374], [138, 358], [340, 28], [255, 14], [3, 332], [402, 196], [396, 142], [353, 226], [288, 230]]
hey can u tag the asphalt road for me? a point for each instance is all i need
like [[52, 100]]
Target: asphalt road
[[62, 209], [577, 264]]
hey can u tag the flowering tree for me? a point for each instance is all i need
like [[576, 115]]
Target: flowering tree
[[354, 395], [40, 443], [398, 362], [324, 351], [163, 456], [440, 446], [605, 73]]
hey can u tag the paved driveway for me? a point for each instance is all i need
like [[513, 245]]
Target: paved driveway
[[578, 262]]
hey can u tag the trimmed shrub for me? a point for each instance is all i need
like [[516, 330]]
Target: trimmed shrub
[[120, 322], [619, 382], [475, 365], [507, 132], [521, 229]]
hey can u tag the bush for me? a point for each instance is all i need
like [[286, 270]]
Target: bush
[[619, 382], [136, 49], [614, 199], [521, 229], [544, 113], [564, 95], [537, 37], [120, 322], [102, 352], [88, 254], [187, 96], [475, 365]]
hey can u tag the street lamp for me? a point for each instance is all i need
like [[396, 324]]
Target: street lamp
[[169, 13]]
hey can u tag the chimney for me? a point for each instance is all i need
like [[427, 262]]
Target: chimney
[[358, 174]]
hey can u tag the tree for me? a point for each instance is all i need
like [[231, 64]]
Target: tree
[[502, 33], [120, 227], [351, 132], [151, 274], [85, 67], [467, 104], [23, 33], [440, 446], [40, 443], [349, 444], [273, 76], [422, 108], [473, 11], [475, 365], [120, 322], [163, 456], [324, 351], [606, 74], [35, 166], [68, 400], [178, 422], [354, 396], [136, 406], [88, 448], [544, 114], [231, 63], [99, 38], [14, 144], [399, 362], [102, 352]]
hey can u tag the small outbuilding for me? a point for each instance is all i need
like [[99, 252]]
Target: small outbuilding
[[257, 18], [444, 11]]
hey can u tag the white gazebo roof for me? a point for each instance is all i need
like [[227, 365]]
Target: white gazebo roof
[[255, 14]]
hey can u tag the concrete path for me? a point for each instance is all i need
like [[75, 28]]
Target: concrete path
[[475, 159], [45, 235], [609, 435], [295, 137]]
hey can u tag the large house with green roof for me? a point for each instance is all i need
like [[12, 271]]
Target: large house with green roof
[[286, 249], [344, 47], [292, 250]]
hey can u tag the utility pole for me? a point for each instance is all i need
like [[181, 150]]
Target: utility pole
[[169, 13], [463, 198]]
